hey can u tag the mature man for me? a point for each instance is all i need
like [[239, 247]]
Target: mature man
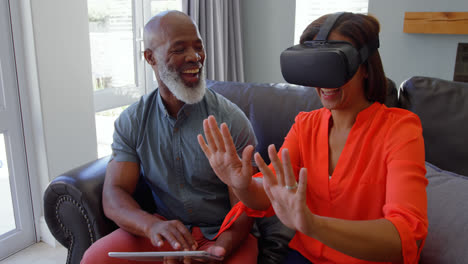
[[157, 138]]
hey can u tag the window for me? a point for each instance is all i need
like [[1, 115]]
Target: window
[[157, 6], [105, 129], [6, 206], [120, 74], [151, 8], [309, 10]]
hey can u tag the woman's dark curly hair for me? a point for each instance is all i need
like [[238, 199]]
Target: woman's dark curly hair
[[361, 29]]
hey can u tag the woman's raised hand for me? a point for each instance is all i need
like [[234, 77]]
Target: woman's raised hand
[[287, 197], [221, 152]]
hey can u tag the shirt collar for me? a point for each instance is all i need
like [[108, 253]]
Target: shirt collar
[[183, 112], [368, 112], [362, 116]]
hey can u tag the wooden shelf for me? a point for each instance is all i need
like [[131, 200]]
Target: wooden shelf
[[436, 22]]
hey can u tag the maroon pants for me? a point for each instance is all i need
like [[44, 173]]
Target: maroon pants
[[121, 240]]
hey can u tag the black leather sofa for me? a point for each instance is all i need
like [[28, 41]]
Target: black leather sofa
[[443, 109], [72, 201]]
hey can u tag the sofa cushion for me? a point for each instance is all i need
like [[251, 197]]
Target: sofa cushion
[[446, 102], [447, 213], [272, 108]]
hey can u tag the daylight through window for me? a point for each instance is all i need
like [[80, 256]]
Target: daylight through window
[[309, 10]]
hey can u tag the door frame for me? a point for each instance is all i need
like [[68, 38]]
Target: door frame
[[31, 111]]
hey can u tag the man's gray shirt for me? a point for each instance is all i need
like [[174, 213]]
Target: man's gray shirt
[[183, 183]]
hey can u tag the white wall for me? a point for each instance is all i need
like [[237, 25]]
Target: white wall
[[65, 88], [268, 27], [405, 55], [54, 77]]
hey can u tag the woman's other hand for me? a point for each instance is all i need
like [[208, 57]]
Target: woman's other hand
[[221, 152]]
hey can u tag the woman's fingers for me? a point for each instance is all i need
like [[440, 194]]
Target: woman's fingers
[[302, 186], [209, 136], [268, 176], [204, 146], [215, 140], [268, 190], [227, 140], [216, 134], [289, 178], [218, 139], [275, 161], [247, 160]]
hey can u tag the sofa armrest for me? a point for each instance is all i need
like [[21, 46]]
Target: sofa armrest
[[73, 208]]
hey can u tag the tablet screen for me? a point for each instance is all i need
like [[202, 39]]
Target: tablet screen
[[161, 255]]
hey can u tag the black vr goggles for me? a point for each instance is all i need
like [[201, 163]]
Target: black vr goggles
[[323, 63]]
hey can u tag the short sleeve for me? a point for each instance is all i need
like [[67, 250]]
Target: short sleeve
[[125, 136], [406, 199], [241, 130]]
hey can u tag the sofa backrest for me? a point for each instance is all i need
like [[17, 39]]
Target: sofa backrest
[[272, 108], [442, 107]]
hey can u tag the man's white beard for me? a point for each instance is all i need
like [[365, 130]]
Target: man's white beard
[[188, 95]]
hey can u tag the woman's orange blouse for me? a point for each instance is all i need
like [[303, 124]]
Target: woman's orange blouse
[[380, 174]]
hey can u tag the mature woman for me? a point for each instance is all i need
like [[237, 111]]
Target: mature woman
[[360, 196]]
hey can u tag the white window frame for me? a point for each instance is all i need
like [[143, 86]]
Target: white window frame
[[322, 8], [144, 76], [109, 98]]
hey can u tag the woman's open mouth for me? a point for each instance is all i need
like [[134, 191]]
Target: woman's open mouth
[[329, 93]]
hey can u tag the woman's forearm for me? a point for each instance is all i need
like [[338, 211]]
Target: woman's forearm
[[372, 240], [232, 238], [254, 196]]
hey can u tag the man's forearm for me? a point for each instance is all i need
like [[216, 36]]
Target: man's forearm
[[121, 208], [118, 203]]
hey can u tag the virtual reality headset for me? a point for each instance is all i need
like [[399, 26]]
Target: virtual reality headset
[[322, 63]]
